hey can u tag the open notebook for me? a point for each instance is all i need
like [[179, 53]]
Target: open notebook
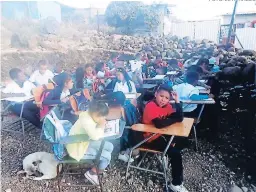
[[112, 128]]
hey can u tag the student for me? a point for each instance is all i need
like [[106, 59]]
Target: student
[[89, 76], [21, 87], [58, 68], [204, 64], [160, 113], [92, 123], [42, 75], [136, 71], [188, 91], [79, 78], [124, 83]]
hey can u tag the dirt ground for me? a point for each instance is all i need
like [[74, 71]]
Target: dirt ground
[[214, 168]]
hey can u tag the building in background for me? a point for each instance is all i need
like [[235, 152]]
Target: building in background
[[30, 9], [241, 19]]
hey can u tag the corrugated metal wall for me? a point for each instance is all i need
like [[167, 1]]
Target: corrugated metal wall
[[247, 37], [197, 29]]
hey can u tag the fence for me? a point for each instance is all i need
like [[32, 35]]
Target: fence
[[247, 37], [197, 29]]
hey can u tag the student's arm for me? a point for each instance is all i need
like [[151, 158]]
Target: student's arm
[[49, 99], [95, 133], [171, 119]]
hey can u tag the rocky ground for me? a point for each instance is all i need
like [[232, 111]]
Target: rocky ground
[[214, 168]]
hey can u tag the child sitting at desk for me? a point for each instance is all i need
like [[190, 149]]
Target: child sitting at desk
[[58, 95], [92, 123], [21, 87], [124, 83], [89, 76], [188, 91], [42, 75], [160, 113]]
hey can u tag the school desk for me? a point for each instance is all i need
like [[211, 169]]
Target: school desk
[[9, 102], [178, 129]]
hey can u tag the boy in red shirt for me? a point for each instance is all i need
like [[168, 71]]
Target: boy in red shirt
[[160, 113]]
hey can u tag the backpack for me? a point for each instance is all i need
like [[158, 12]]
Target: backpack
[[54, 129], [82, 102], [132, 115]]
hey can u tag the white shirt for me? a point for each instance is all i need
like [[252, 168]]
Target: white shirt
[[15, 88], [120, 86], [185, 91], [40, 79], [136, 65], [64, 94]]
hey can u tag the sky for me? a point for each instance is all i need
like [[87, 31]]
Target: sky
[[185, 9]]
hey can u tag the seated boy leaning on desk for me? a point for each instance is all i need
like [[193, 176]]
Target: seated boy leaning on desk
[[160, 113], [92, 123], [21, 87], [188, 91]]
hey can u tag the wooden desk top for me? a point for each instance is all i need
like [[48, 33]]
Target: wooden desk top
[[178, 129], [205, 101], [149, 86]]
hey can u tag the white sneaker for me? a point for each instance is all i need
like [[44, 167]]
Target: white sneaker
[[92, 178], [125, 157], [178, 188]]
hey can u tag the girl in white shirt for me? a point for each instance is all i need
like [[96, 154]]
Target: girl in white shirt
[[124, 83]]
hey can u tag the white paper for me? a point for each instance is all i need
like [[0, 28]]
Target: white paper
[[135, 65], [17, 99], [200, 88], [130, 96], [202, 81], [159, 77], [112, 128], [172, 73]]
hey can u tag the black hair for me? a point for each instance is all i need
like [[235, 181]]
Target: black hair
[[42, 62], [61, 79], [164, 87], [14, 73], [196, 68], [191, 77], [58, 65], [202, 61], [79, 77], [99, 66], [98, 107], [126, 77], [88, 65]]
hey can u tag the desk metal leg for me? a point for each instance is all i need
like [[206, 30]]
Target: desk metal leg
[[22, 123], [165, 163], [136, 146], [197, 121]]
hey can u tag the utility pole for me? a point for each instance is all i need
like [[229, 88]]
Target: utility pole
[[232, 22]]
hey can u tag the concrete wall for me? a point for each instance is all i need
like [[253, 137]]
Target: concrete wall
[[238, 19]]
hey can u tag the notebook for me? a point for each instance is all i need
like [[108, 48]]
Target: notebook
[[112, 128], [159, 77], [130, 96]]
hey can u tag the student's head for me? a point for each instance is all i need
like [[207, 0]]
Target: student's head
[[88, 69], [161, 70], [98, 111], [196, 68], [79, 77], [58, 68], [122, 75], [163, 95], [42, 66], [100, 67], [63, 80], [203, 62], [17, 75], [192, 77]]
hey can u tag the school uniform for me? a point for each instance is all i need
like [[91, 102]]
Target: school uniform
[[185, 91], [123, 87], [41, 79], [30, 110]]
